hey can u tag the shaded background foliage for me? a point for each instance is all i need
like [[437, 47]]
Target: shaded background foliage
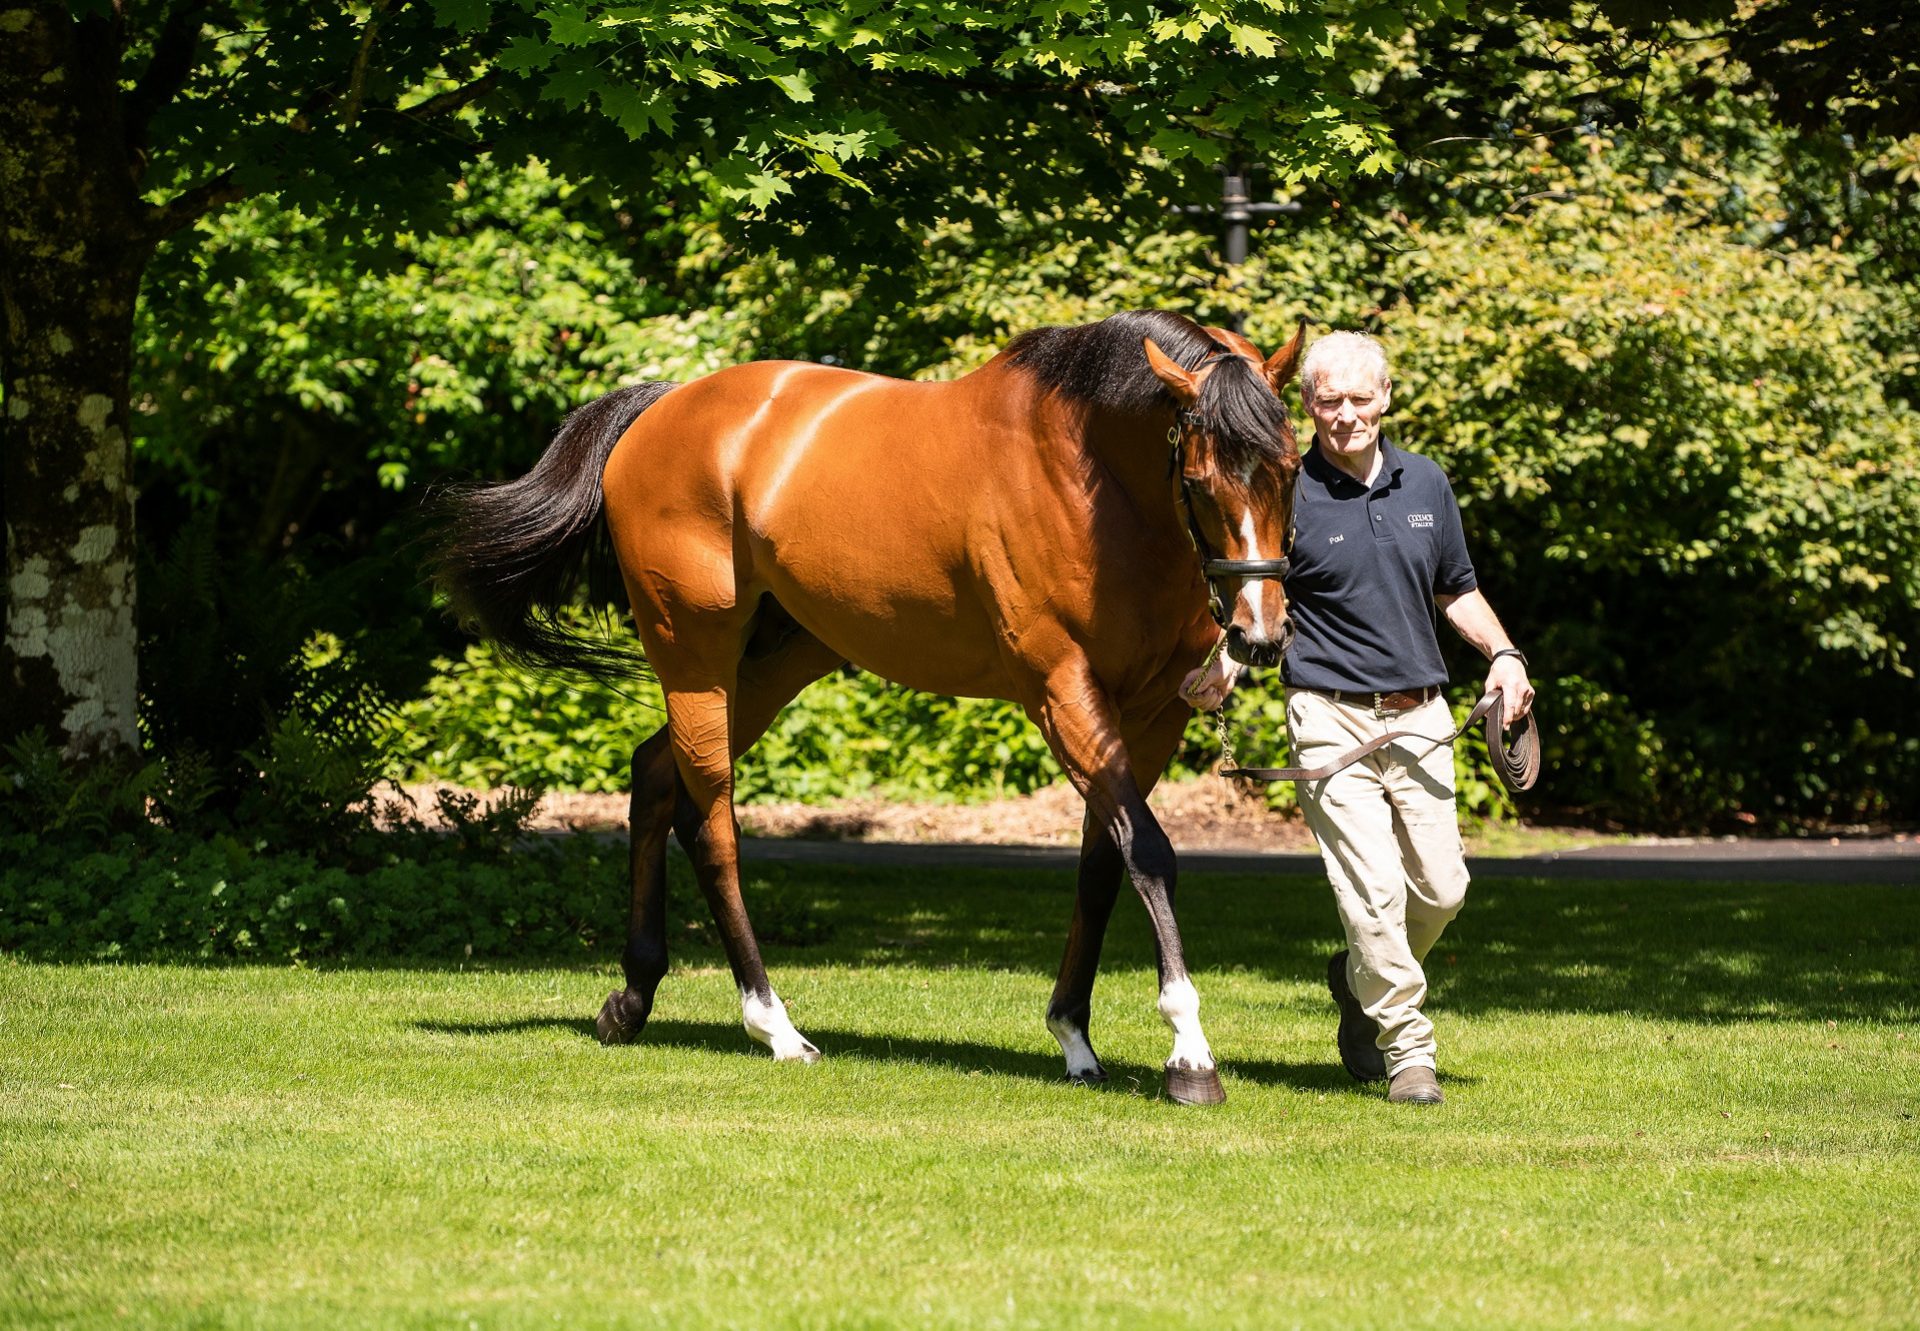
[[1660, 343]]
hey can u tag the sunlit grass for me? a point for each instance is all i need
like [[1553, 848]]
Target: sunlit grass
[[1668, 1105]]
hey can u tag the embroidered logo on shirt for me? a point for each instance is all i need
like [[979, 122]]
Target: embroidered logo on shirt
[[1335, 540], [1419, 519]]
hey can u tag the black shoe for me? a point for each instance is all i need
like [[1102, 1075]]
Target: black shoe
[[1359, 1036]]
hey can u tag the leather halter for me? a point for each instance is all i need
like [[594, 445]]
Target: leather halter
[[1211, 565]]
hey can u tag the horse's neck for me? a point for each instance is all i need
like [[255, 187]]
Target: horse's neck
[[1135, 452]]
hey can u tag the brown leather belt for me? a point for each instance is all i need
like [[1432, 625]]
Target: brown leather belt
[[1400, 700]]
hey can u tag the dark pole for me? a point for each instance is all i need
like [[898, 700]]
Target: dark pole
[[1236, 210]]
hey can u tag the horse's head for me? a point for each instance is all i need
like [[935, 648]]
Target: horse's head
[[1234, 448]]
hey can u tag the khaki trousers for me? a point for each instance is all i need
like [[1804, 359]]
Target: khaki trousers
[[1390, 837]]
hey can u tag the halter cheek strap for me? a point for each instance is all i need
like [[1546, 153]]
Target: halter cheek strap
[[1211, 565]]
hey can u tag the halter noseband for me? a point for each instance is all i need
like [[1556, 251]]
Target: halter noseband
[[1211, 565]]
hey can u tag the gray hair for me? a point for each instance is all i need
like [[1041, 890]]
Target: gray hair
[[1344, 349]]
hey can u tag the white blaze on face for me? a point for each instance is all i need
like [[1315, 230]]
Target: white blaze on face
[[1180, 1007], [1252, 589], [769, 1024]]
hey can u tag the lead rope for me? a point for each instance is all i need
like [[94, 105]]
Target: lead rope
[[1516, 764]]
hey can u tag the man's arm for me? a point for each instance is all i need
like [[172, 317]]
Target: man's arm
[[1475, 621]]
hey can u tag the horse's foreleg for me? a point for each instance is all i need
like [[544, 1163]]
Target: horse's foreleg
[[650, 817], [1084, 731], [1102, 870]]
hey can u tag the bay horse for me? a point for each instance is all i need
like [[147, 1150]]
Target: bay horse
[[1033, 531]]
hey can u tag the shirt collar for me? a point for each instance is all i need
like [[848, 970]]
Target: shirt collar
[[1390, 465]]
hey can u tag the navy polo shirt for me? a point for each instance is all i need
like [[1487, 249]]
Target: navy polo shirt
[[1367, 562]]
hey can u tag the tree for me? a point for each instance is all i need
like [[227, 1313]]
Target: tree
[[843, 127]]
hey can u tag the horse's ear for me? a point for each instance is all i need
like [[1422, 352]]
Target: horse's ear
[[1182, 383], [1282, 364], [1233, 341]]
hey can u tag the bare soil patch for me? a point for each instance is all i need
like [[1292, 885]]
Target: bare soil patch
[[1202, 813]]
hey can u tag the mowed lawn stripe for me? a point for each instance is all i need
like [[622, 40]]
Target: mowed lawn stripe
[[1669, 1105]]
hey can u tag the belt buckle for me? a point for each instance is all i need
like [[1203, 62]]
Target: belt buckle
[[1379, 705]]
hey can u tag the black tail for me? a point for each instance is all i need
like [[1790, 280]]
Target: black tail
[[510, 556]]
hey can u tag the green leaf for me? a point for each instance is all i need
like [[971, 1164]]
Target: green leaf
[[1255, 41], [636, 112], [463, 15], [524, 54], [744, 178], [574, 87], [571, 25], [797, 86], [824, 163]]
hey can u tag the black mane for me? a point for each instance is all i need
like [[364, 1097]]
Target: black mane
[[1102, 364]]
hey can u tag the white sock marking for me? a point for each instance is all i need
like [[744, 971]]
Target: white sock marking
[[1180, 1006], [1074, 1044], [769, 1024]]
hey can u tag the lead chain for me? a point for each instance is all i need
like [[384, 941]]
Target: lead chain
[[1227, 762]]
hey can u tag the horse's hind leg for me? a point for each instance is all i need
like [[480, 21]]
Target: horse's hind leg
[[650, 817], [1102, 870], [711, 726], [782, 660]]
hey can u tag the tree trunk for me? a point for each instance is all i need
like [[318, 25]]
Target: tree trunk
[[72, 247]]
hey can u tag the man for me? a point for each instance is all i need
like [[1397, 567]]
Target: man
[[1377, 547]]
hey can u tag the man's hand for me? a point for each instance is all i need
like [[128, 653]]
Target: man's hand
[[1206, 689], [1510, 677]]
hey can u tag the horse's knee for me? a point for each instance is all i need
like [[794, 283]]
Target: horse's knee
[[1150, 857]]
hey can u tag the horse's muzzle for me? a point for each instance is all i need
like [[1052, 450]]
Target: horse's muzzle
[[1261, 651]]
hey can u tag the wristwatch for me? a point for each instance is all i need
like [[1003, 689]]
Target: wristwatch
[[1509, 651]]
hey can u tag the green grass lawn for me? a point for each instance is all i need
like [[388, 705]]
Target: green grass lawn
[[1669, 1105]]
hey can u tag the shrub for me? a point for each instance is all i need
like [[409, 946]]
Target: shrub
[[1687, 490], [482, 723], [264, 690], [485, 892]]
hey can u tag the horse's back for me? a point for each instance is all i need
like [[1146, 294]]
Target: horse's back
[[852, 498]]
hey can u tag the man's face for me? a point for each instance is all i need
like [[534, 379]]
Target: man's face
[[1347, 403]]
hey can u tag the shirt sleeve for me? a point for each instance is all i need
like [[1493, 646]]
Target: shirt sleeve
[[1453, 573]]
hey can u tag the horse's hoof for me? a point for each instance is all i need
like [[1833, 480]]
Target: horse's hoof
[[1195, 1086], [617, 1022], [804, 1052], [1095, 1078]]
